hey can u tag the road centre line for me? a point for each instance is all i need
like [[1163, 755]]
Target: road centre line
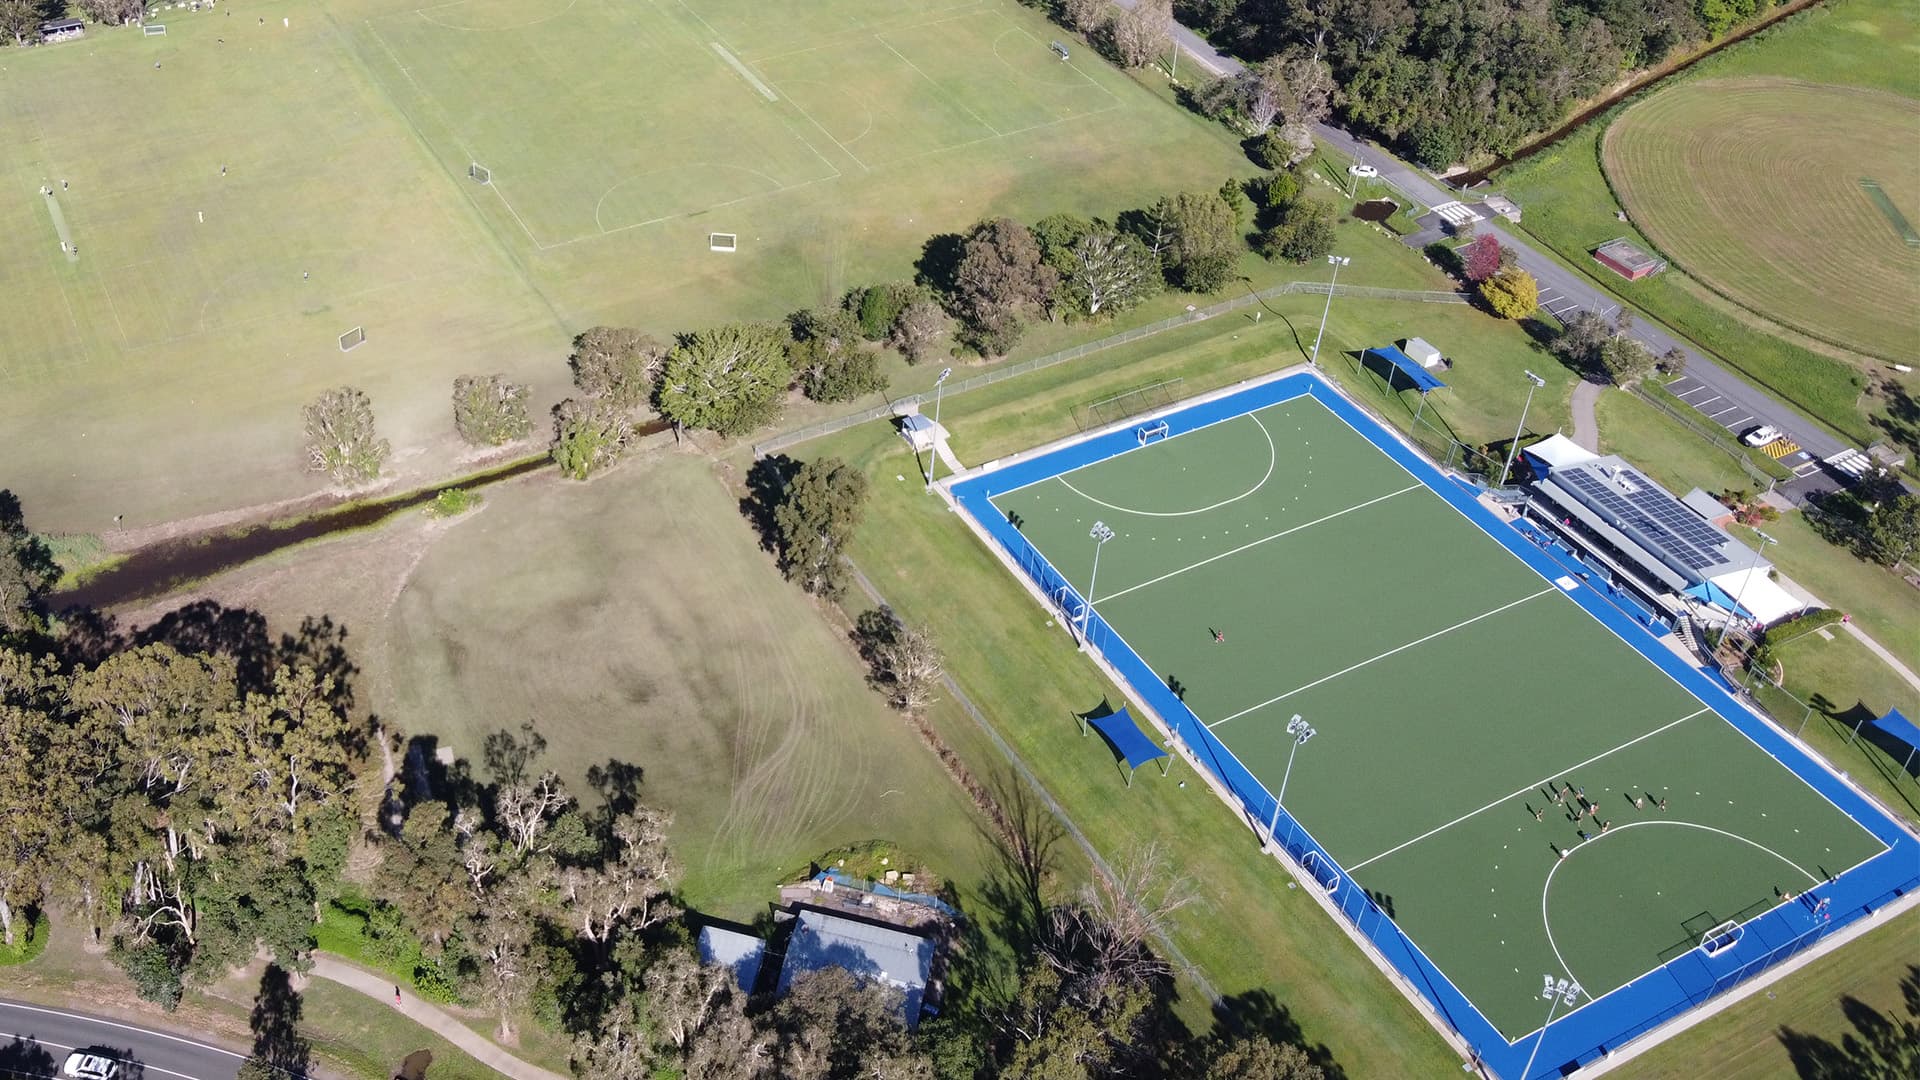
[[1384, 655], [1535, 786], [1253, 544]]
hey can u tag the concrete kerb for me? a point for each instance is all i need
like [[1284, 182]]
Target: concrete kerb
[[1300, 877]]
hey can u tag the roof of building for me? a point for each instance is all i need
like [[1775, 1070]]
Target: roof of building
[[1644, 520], [1758, 594], [916, 422], [1629, 254], [1706, 505], [1422, 379], [54, 26], [893, 957], [732, 949], [1420, 349], [1556, 451]]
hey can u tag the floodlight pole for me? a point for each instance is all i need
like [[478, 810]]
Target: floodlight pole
[[933, 460], [1100, 534], [1301, 732], [1338, 261], [1758, 557], [1556, 992], [1534, 382]]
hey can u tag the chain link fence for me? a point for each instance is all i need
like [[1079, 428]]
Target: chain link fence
[[1714, 438], [900, 405]]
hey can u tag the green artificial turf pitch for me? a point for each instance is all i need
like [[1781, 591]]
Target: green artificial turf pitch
[[1449, 685]]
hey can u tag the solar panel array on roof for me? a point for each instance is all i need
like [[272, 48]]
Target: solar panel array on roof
[[1654, 514]]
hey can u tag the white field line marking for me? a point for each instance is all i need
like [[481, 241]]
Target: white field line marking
[[124, 1027], [1535, 786], [1547, 925], [1273, 460], [888, 45], [734, 63], [1253, 544], [1400, 649], [37, 1041]]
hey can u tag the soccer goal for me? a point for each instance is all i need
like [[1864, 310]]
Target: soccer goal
[[723, 241], [1325, 874], [154, 30], [353, 339], [1721, 938], [1151, 432], [479, 172]]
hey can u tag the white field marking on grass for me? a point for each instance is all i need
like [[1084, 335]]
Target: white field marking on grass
[[941, 90], [60, 226], [1252, 544], [601, 202], [1546, 924], [745, 73], [853, 37], [422, 12], [1090, 80], [1536, 785], [493, 183], [1549, 590], [1273, 460]]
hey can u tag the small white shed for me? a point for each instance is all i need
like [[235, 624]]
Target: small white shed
[[1421, 352]]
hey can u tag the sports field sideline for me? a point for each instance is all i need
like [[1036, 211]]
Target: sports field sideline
[[1517, 782]]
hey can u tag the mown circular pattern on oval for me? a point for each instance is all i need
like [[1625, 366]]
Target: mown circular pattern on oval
[[1753, 187]]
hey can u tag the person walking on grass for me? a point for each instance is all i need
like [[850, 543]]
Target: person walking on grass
[[1218, 637]]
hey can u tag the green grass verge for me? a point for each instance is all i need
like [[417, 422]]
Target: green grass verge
[[1827, 1013], [1663, 448], [1571, 209], [1884, 605]]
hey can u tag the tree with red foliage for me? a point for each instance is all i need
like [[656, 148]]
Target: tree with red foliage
[[1482, 257]]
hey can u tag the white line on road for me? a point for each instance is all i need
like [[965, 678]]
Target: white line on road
[[122, 1027], [37, 1041]]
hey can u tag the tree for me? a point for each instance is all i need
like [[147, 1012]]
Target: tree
[[1512, 294], [27, 569], [341, 441], [1142, 33], [617, 363], [815, 519], [878, 307], [1625, 359], [20, 20], [1580, 341], [1482, 258], [1304, 234], [1001, 276], [904, 661], [113, 12], [424, 876], [589, 434], [1201, 239], [1106, 270], [1893, 529], [1674, 361], [833, 1025], [828, 355], [921, 324], [1301, 89], [1260, 1058], [490, 411], [1082, 15], [729, 379], [628, 889]]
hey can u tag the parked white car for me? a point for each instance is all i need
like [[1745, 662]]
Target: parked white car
[[85, 1066], [1364, 171], [1762, 435]]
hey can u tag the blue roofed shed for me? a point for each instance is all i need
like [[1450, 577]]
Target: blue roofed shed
[[883, 954], [731, 949]]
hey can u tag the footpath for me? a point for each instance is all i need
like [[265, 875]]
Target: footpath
[[428, 1016]]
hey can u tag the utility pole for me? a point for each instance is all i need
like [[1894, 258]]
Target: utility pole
[[1338, 261]]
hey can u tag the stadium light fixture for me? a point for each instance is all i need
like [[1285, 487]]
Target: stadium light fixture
[[1534, 382], [1301, 732], [1556, 992], [1100, 534], [934, 461], [1337, 262]]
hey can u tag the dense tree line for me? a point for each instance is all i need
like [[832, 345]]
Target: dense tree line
[[1444, 80]]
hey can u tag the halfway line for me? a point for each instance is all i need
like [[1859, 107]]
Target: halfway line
[[1242, 547], [1532, 787], [1382, 656]]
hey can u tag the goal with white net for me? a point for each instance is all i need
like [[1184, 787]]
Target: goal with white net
[[479, 172], [723, 241], [1720, 938], [353, 338]]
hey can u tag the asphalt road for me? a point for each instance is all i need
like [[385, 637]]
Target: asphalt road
[[34, 1040], [1740, 404]]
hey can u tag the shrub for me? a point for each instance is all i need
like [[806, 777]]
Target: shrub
[[589, 435], [1512, 294], [452, 502], [29, 939], [154, 970], [879, 306], [341, 441], [490, 411]]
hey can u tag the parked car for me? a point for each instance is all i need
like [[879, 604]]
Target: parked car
[[86, 1065], [1363, 171], [1762, 435]]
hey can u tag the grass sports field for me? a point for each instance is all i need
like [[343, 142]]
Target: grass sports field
[[1758, 188], [243, 190], [1452, 689]]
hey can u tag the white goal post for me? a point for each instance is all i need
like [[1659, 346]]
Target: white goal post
[[1721, 938], [479, 172], [154, 30], [353, 339], [723, 241]]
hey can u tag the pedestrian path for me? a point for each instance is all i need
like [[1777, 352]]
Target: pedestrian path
[[429, 1016], [1586, 428]]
